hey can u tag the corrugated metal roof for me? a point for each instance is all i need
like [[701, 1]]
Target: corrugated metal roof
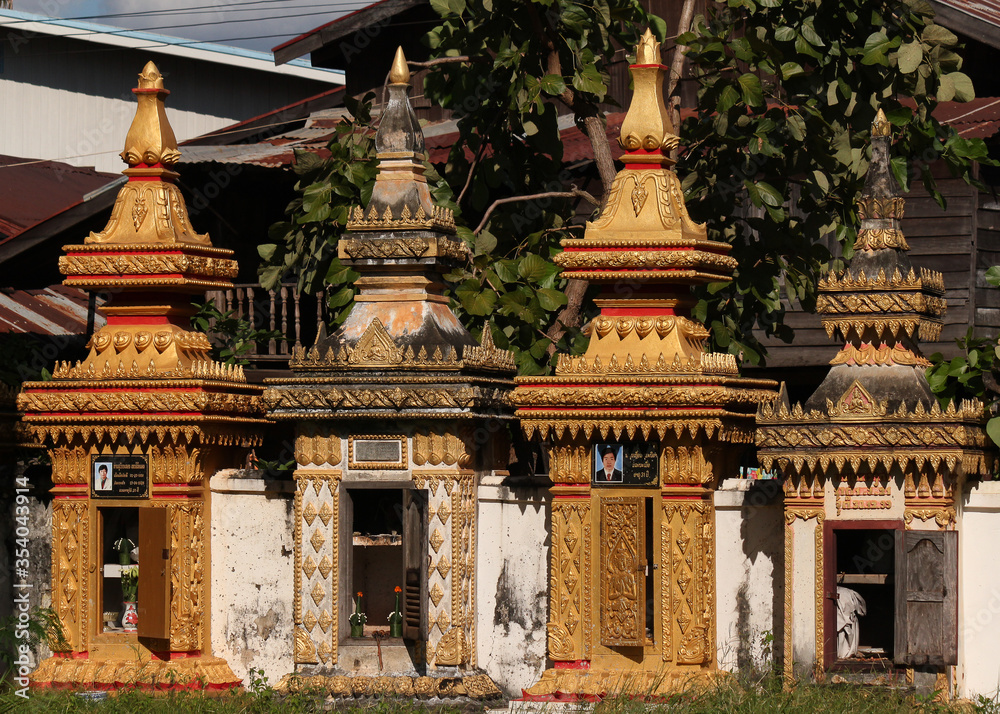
[[32, 191], [56, 310], [985, 10], [30, 24]]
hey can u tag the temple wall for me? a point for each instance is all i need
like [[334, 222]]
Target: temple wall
[[513, 583], [749, 577], [252, 573], [803, 596], [978, 671]]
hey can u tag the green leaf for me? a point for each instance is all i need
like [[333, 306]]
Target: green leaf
[[935, 34], [962, 86], [552, 84], [993, 429], [550, 299], [750, 88], [946, 88], [992, 276], [784, 34], [909, 57], [532, 267]]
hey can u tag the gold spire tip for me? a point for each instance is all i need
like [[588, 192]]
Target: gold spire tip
[[648, 50], [881, 126], [400, 72], [150, 77]]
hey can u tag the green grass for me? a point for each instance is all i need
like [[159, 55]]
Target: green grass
[[730, 695]]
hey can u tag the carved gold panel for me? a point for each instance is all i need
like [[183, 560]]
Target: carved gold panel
[[623, 563], [317, 445], [187, 576], [688, 581], [70, 556], [571, 462], [570, 581]]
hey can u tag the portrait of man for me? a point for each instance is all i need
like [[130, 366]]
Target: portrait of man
[[608, 464], [102, 476]]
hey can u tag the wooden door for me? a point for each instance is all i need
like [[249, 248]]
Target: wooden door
[[623, 568], [926, 598], [414, 565], [154, 573]]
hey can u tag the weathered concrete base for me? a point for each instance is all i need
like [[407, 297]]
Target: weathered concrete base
[[475, 686], [252, 572], [188, 673], [978, 672], [589, 684], [512, 584], [749, 545]]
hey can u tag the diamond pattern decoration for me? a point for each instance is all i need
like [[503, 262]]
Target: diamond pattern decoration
[[325, 513], [443, 566], [317, 485], [317, 540], [309, 513], [443, 621], [318, 593], [325, 621], [309, 566], [444, 513], [430, 513], [309, 621], [325, 566], [436, 540], [436, 594], [570, 539]]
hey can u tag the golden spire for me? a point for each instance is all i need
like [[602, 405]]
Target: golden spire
[[647, 132], [400, 72], [149, 208], [648, 51], [880, 127], [150, 140]]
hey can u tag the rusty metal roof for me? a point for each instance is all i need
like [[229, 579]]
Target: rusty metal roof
[[977, 19], [53, 311], [33, 191]]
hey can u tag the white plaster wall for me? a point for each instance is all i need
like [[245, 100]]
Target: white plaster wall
[[252, 573], [978, 671], [512, 585], [749, 546], [804, 596]]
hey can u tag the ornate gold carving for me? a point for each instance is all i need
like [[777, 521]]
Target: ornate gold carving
[[622, 562], [854, 303], [846, 282], [478, 686], [881, 239], [203, 672], [692, 605], [868, 354], [70, 555], [167, 223], [369, 248], [647, 125], [646, 259], [305, 651], [315, 444], [187, 603], [439, 218], [487, 355], [569, 578], [145, 401], [91, 264], [944, 516], [436, 594], [450, 648]]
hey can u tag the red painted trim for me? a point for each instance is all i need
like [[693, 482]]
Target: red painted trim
[[140, 320], [574, 664], [636, 311]]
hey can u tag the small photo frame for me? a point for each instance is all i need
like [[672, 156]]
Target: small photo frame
[[103, 475], [608, 466]]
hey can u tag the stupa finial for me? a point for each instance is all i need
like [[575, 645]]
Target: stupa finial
[[647, 132], [150, 141], [400, 72], [880, 206], [881, 126]]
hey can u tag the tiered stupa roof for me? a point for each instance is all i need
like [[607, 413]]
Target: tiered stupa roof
[[875, 409], [401, 350], [645, 369]]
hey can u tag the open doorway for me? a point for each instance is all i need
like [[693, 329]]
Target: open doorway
[[377, 552], [860, 594]]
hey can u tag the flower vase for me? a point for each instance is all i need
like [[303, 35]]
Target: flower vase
[[395, 629], [130, 617], [357, 630]]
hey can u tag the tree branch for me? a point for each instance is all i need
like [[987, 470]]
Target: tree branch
[[532, 197], [676, 67], [443, 60]]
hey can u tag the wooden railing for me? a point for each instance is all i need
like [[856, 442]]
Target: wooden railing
[[296, 317]]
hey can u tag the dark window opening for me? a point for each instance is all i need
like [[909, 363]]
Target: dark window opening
[[377, 553], [116, 523], [864, 609]]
